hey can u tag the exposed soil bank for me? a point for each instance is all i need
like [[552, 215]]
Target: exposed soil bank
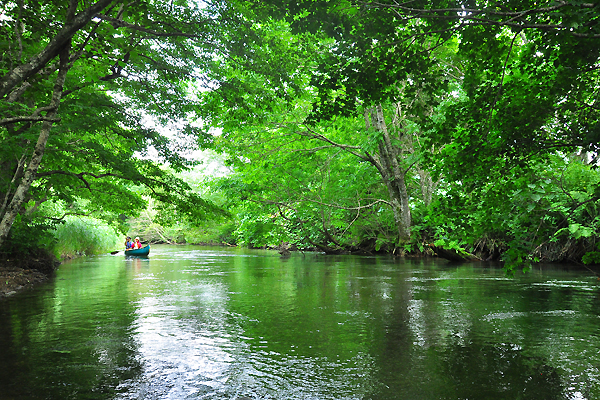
[[18, 273]]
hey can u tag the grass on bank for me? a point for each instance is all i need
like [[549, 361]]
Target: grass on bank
[[85, 236]]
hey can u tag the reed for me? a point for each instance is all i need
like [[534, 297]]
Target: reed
[[84, 236]]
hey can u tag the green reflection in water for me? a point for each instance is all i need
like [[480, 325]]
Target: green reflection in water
[[69, 339], [214, 323]]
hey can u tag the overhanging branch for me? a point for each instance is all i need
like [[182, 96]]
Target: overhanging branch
[[122, 24], [30, 118], [350, 149], [79, 176], [523, 19], [22, 72]]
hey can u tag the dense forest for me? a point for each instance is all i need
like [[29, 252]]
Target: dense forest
[[339, 126]]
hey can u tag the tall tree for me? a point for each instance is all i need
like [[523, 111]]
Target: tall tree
[[527, 89], [77, 82], [497, 90], [318, 75]]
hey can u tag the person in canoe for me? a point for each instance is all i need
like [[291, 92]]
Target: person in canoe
[[128, 243], [137, 244]]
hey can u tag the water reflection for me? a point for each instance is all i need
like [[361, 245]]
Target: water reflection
[[204, 323], [69, 340]]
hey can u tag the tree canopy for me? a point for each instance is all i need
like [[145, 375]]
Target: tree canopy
[[349, 125], [79, 83], [482, 105]]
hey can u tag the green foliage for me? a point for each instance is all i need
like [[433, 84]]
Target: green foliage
[[500, 109], [28, 236], [592, 257], [449, 245], [85, 236], [259, 232], [160, 221], [497, 112], [126, 83], [546, 211], [303, 193]]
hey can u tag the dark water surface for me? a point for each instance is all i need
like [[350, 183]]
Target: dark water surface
[[215, 323]]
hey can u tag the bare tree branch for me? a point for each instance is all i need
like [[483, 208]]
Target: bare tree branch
[[79, 176], [350, 149], [18, 33], [337, 206]]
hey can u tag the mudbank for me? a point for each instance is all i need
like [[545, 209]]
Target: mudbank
[[21, 272]]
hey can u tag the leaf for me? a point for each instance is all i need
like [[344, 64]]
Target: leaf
[[579, 231]]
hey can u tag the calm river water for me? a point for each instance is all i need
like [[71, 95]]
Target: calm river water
[[193, 322]]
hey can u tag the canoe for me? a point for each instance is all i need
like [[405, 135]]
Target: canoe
[[138, 252]]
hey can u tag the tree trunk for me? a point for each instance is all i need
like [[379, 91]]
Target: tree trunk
[[392, 175], [13, 208], [454, 255], [427, 185]]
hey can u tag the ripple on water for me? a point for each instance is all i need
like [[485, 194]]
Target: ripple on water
[[518, 314], [567, 285], [301, 328]]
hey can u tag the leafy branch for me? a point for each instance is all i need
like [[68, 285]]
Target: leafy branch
[[523, 19]]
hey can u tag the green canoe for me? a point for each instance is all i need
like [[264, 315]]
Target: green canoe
[[138, 252]]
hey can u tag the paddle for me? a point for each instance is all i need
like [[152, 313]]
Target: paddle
[[115, 252]]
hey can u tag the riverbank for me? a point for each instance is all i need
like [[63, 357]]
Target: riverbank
[[20, 273], [15, 279]]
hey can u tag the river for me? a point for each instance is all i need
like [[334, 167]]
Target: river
[[192, 322]]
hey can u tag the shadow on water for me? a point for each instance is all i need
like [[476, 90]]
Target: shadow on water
[[195, 322]]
